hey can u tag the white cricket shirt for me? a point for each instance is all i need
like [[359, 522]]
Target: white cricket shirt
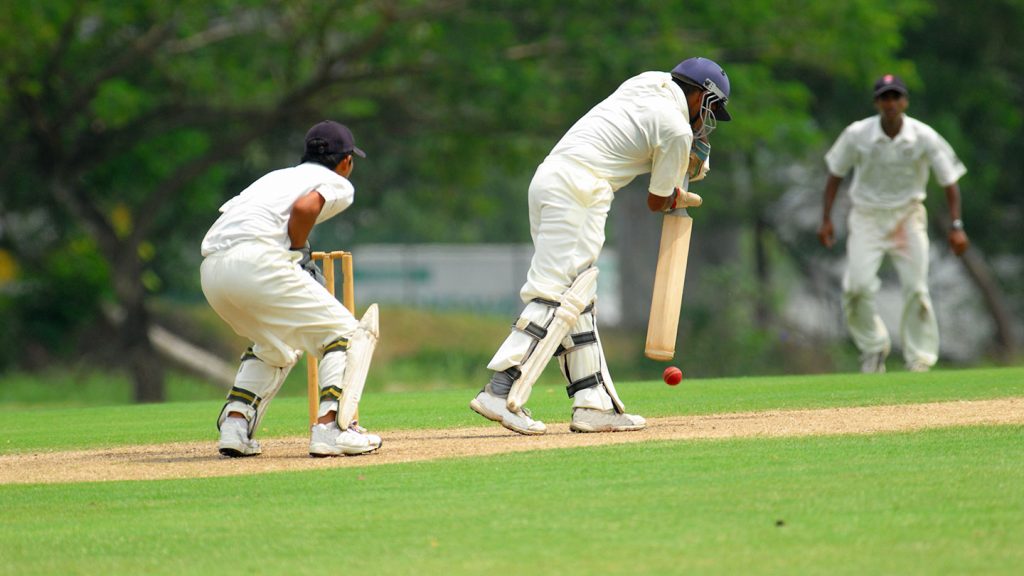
[[261, 211], [892, 172], [644, 126]]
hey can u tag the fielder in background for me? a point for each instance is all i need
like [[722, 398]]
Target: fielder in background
[[891, 154], [648, 125], [258, 276]]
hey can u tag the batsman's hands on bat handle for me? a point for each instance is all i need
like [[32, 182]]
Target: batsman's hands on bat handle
[[697, 168], [958, 241], [684, 199], [306, 263], [826, 234]]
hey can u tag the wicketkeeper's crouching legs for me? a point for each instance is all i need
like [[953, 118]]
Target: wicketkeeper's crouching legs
[[344, 365], [256, 384]]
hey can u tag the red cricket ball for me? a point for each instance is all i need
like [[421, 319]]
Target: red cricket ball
[[672, 376]]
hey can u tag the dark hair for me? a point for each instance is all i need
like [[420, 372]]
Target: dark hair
[[687, 87], [316, 152]]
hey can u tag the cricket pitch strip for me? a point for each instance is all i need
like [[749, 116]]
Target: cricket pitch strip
[[200, 459]]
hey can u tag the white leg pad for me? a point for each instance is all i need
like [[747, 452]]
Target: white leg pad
[[256, 384], [359, 355], [584, 367], [331, 367], [519, 345], [572, 303]]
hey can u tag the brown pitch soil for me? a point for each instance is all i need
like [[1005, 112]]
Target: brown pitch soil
[[200, 459]]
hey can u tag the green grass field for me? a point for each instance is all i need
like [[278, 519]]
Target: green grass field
[[943, 501]]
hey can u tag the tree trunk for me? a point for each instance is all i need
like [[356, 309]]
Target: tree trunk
[[143, 362], [988, 285], [979, 271], [141, 359], [762, 304]]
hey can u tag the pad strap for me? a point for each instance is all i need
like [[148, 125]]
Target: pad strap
[[244, 396], [576, 341], [584, 383], [248, 355], [531, 329], [330, 393], [339, 344], [553, 304]]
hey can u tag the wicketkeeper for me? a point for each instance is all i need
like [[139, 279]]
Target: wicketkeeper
[[258, 276], [646, 126]]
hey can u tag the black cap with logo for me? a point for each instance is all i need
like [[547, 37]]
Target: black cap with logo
[[890, 83]]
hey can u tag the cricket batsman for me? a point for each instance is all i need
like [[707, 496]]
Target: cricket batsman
[[648, 125], [257, 275]]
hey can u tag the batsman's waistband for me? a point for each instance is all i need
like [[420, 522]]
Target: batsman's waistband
[[248, 245]]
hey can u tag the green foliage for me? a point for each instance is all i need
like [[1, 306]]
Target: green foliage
[[131, 122], [64, 297]]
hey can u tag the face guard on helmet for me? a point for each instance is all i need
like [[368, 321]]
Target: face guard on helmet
[[711, 79]]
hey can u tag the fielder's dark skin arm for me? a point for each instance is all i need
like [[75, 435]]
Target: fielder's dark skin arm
[[958, 241], [304, 214], [826, 234]]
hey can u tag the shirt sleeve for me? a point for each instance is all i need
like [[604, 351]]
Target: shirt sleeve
[[944, 162], [843, 154], [337, 197], [671, 155]]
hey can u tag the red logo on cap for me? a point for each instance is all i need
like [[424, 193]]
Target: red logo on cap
[[887, 77]]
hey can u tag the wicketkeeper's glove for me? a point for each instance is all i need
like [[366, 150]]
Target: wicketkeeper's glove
[[306, 263]]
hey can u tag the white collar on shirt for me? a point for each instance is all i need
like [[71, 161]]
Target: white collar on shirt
[[906, 133]]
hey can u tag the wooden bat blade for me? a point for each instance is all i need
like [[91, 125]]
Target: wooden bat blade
[[669, 279]]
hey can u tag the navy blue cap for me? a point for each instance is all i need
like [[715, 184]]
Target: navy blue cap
[[330, 137], [890, 83]]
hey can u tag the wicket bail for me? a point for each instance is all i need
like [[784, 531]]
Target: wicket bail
[[348, 297]]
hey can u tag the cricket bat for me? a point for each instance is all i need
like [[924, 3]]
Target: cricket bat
[[669, 279]]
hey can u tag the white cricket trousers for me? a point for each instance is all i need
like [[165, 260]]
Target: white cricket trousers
[[568, 209], [902, 235], [260, 291]]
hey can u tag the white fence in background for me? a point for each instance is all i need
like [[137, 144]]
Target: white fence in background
[[483, 278]]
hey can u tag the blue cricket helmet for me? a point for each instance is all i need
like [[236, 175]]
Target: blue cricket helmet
[[708, 76]]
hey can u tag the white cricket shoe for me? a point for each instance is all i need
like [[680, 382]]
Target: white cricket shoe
[[235, 441], [495, 408], [592, 420], [918, 366], [873, 362], [330, 440]]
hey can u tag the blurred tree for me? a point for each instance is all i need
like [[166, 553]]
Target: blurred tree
[[127, 119], [129, 123]]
